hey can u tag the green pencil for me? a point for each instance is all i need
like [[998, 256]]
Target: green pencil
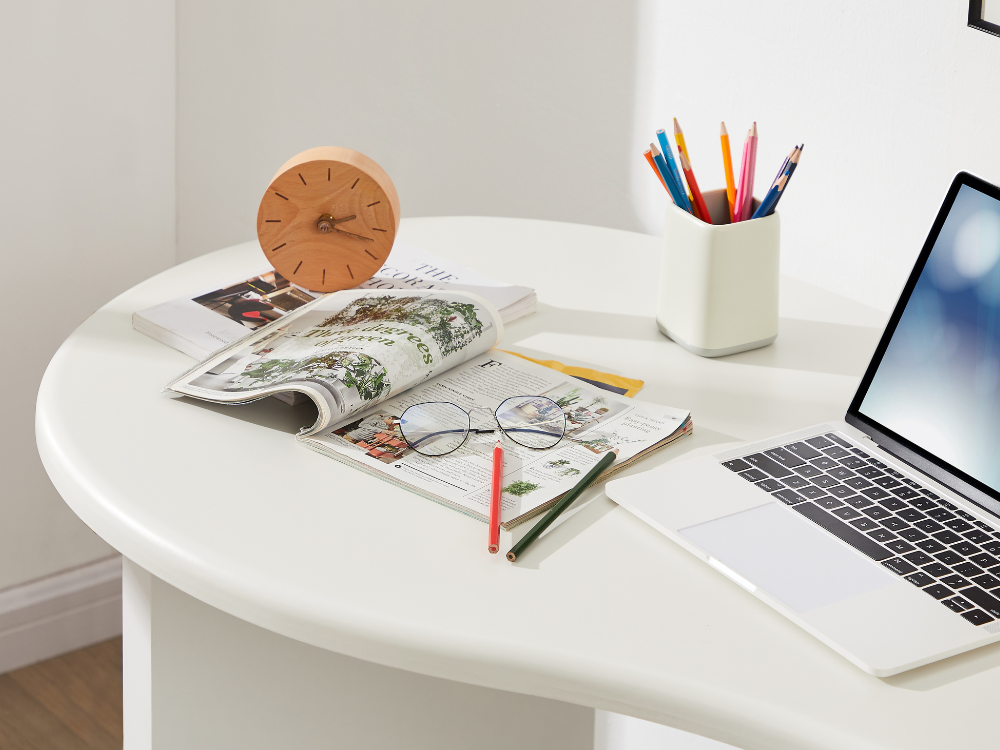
[[564, 502]]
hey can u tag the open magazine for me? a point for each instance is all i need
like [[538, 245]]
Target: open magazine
[[364, 357]]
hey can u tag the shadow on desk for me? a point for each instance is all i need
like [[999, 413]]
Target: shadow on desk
[[947, 671]]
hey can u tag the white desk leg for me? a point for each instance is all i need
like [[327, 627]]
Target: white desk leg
[[199, 679], [137, 656]]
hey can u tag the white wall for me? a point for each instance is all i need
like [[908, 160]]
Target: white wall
[[87, 210]]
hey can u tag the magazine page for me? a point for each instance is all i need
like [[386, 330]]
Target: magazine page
[[596, 421], [349, 350]]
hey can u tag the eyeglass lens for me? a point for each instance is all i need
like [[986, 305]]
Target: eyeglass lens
[[532, 421], [434, 428]]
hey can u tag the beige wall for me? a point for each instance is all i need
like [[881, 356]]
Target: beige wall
[[87, 210]]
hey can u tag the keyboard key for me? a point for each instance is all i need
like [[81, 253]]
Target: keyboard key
[[949, 558], [875, 493], [909, 482], [788, 497], [928, 526], [942, 501], [923, 504], [802, 450], [899, 566], [825, 481], [965, 548], [957, 582], [982, 599], [876, 462], [807, 470], [824, 463], [828, 502], [937, 570], [869, 472], [836, 452], [853, 463], [859, 452], [840, 490], [881, 535], [967, 516], [940, 514], [928, 493], [904, 492], [992, 546], [910, 514], [754, 475], [986, 581], [947, 537], [811, 492], [783, 457], [876, 512], [957, 524], [864, 524], [736, 465], [858, 502], [795, 482], [886, 482], [968, 570], [938, 591], [894, 524], [772, 467], [838, 528], [892, 472], [846, 513], [819, 442], [982, 538], [983, 560], [899, 546], [841, 473], [770, 485], [982, 525], [977, 617], [918, 558], [919, 579], [892, 504], [931, 546], [838, 439], [956, 604], [913, 535]]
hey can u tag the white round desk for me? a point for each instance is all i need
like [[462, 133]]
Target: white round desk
[[276, 598]]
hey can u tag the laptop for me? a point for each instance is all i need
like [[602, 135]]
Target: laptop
[[880, 535]]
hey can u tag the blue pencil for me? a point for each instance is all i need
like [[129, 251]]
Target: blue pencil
[[793, 162], [668, 178], [767, 206], [668, 154]]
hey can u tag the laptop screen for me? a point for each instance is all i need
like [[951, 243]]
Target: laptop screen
[[933, 386]]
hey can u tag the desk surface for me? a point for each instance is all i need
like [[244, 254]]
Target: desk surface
[[602, 611]]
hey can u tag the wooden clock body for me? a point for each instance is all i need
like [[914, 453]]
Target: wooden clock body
[[304, 221]]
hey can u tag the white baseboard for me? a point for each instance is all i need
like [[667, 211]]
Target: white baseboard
[[61, 613]]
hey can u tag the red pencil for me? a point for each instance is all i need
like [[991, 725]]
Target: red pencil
[[495, 499], [699, 201]]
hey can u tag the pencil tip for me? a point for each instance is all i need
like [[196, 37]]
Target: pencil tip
[[677, 127], [655, 151], [753, 130], [722, 129]]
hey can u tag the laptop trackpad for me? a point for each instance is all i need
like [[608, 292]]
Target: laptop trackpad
[[788, 557]]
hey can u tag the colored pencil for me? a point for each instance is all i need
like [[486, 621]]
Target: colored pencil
[[751, 168], [668, 155], [494, 545], [682, 149], [727, 162], [783, 165], [699, 201], [764, 209], [564, 502], [649, 157], [793, 163], [675, 192], [741, 185]]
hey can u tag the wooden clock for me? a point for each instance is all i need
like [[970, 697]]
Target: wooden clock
[[328, 219]]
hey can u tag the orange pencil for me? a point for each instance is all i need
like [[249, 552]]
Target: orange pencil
[[699, 201], [682, 149], [727, 162], [649, 157]]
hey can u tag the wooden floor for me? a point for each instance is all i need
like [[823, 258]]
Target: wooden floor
[[72, 702]]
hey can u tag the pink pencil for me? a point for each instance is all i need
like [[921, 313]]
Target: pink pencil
[[741, 186], [751, 168]]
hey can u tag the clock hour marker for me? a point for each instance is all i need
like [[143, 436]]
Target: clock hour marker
[[366, 250], [376, 229], [324, 277], [279, 246], [350, 272], [355, 183], [327, 174], [302, 178], [272, 221], [298, 267], [373, 204], [280, 195]]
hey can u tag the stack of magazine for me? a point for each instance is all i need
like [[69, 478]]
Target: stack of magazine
[[364, 356]]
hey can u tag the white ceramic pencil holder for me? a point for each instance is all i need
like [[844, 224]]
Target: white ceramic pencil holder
[[719, 281]]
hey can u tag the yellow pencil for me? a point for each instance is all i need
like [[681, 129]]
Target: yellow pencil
[[682, 149], [727, 161]]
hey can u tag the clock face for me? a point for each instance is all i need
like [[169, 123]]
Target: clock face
[[326, 225]]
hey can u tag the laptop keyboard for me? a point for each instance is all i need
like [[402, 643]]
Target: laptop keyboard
[[918, 535]]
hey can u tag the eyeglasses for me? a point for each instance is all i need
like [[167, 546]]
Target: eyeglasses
[[437, 428]]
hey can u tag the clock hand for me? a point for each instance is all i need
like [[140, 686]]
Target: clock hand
[[326, 222], [352, 234]]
